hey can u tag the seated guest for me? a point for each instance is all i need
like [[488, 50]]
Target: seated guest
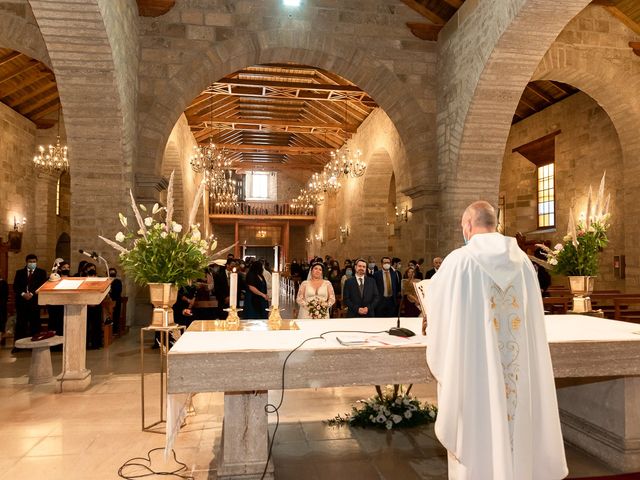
[[182, 313]]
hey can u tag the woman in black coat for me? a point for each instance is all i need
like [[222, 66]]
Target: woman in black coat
[[256, 300]]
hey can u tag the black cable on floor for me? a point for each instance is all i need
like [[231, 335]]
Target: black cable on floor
[[132, 462], [271, 408]]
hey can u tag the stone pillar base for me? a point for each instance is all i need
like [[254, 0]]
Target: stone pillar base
[[73, 381], [244, 445], [602, 417]]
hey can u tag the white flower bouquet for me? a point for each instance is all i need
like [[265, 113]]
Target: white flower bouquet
[[389, 409], [161, 250]]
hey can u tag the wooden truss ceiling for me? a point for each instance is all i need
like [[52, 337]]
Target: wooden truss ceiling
[[438, 12], [539, 95], [279, 115], [28, 87]]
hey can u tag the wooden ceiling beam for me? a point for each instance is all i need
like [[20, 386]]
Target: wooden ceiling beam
[[6, 92], [43, 113], [38, 91], [10, 57], [424, 11], [154, 8], [635, 46], [43, 101], [455, 3], [20, 71], [225, 122], [540, 93]]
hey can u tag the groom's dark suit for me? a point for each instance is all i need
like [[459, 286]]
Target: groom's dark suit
[[354, 300]]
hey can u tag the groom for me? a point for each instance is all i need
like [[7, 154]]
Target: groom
[[360, 292]]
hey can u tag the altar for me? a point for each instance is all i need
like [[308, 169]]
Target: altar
[[596, 363]]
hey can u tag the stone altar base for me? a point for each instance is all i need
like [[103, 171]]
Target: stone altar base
[[602, 417], [244, 446]]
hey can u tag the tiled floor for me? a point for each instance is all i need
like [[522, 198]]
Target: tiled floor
[[90, 435]]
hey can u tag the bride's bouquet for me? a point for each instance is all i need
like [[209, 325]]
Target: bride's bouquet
[[317, 308]]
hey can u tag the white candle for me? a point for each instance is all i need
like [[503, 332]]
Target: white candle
[[233, 289], [275, 289]]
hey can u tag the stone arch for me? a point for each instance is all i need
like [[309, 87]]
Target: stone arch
[[22, 34], [63, 246], [310, 48], [99, 119], [488, 60], [373, 227]]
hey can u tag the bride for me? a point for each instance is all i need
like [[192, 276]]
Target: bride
[[314, 289]]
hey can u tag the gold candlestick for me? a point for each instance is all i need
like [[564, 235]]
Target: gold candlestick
[[275, 320], [233, 320]]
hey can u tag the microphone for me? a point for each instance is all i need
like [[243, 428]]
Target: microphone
[[399, 331], [95, 256]]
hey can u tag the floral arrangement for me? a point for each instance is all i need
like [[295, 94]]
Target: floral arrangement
[[162, 251], [388, 409], [317, 308], [585, 239]]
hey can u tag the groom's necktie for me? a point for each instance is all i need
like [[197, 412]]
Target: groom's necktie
[[361, 285]]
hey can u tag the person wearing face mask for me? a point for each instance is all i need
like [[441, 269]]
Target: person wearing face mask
[[388, 289], [25, 283], [56, 312], [348, 273], [371, 267]]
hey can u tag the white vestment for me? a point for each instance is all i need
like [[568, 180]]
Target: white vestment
[[487, 348]]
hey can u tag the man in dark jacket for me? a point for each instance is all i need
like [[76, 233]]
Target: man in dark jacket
[[360, 292], [25, 284]]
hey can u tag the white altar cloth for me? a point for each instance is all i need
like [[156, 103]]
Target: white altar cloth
[[580, 345]]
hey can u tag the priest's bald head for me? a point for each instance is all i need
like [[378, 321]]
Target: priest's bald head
[[479, 217]]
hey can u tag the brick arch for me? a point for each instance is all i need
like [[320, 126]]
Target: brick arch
[[171, 98], [98, 119], [615, 90], [489, 59], [376, 184], [23, 35]]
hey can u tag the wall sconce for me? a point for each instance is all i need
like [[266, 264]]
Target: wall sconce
[[318, 237], [308, 240], [344, 233], [261, 234], [402, 214], [15, 236]]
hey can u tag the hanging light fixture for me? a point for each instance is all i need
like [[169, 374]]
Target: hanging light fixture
[[344, 161], [54, 159]]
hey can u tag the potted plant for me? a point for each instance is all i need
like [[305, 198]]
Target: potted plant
[[163, 254], [578, 256]]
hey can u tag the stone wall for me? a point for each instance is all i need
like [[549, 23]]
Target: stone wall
[[487, 54], [587, 147], [365, 206], [367, 42], [19, 30]]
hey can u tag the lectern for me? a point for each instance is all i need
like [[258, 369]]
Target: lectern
[[75, 294]]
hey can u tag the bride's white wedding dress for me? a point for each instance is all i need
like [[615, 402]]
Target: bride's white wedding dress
[[306, 293]]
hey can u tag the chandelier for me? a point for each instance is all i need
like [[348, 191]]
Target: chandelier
[[213, 162], [54, 159], [347, 163]]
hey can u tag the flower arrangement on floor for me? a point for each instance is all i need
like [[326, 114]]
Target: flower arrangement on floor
[[578, 255], [317, 308], [388, 409], [162, 251]]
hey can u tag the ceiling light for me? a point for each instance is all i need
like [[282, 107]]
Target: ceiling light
[[291, 3]]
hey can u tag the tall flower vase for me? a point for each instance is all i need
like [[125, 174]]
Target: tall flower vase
[[581, 288], [163, 296]]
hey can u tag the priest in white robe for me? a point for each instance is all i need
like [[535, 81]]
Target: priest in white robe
[[487, 348]]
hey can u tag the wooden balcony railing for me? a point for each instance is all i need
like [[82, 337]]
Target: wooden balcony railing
[[261, 208]]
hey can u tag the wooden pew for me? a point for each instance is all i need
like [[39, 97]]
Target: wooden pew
[[622, 310]]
